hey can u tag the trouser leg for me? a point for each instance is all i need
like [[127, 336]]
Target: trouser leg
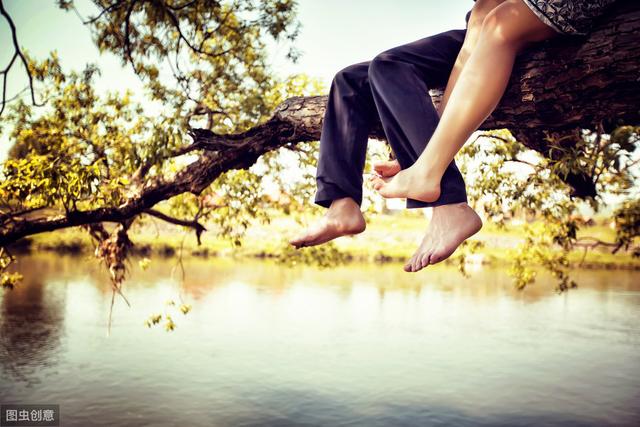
[[348, 118], [400, 79]]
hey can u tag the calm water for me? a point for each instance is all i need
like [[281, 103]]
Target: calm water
[[360, 345]]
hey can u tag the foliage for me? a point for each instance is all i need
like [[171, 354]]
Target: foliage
[[86, 151], [534, 189], [7, 280], [169, 323]]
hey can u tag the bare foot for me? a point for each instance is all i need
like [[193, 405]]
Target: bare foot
[[449, 227], [387, 167], [343, 218], [408, 183]]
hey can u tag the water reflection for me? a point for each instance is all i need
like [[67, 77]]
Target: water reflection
[[31, 324], [357, 345]]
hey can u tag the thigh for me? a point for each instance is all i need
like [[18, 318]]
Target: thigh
[[433, 56], [480, 9], [515, 23]]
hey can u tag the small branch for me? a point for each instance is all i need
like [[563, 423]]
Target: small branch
[[107, 9], [199, 228], [9, 216], [595, 242], [127, 41], [176, 24], [142, 171], [17, 53], [176, 8]]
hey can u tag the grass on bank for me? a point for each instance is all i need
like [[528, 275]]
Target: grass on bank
[[391, 238]]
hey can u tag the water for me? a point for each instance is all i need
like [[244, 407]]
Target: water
[[359, 345]]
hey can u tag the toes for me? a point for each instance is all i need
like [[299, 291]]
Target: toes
[[416, 265], [377, 183], [388, 168], [313, 240], [425, 259], [408, 267], [303, 240], [420, 262], [297, 243], [380, 168], [436, 258]]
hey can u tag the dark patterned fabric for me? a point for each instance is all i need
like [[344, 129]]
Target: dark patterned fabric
[[569, 17], [566, 16]]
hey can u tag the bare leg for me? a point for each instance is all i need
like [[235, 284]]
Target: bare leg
[[480, 10], [506, 30]]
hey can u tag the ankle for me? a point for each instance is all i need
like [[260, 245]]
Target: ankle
[[441, 210], [344, 203]]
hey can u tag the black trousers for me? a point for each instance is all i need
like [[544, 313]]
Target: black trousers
[[393, 88]]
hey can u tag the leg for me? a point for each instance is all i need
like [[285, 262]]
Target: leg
[[480, 10], [400, 79], [451, 224], [477, 15], [506, 30], [349, 115], [348, 118], [409, 118]]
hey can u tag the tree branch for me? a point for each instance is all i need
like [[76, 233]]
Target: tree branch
[[199, 228], [17, 53]]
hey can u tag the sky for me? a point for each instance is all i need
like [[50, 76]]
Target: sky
[[334, 34]]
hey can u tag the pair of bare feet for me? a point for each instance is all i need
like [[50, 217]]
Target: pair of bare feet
[[450, 225]]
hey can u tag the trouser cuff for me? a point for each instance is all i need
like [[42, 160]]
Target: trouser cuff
[[329, 193], [444, 199]]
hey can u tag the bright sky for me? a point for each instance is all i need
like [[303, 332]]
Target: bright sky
[[335, 33]]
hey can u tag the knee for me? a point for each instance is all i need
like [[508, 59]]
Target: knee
[[480, 10], [381, 63], [350, 74], [500, 26]]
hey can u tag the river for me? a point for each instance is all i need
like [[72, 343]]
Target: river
[[365, 345]]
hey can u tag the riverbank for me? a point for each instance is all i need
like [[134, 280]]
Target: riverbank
[[388, 238]]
